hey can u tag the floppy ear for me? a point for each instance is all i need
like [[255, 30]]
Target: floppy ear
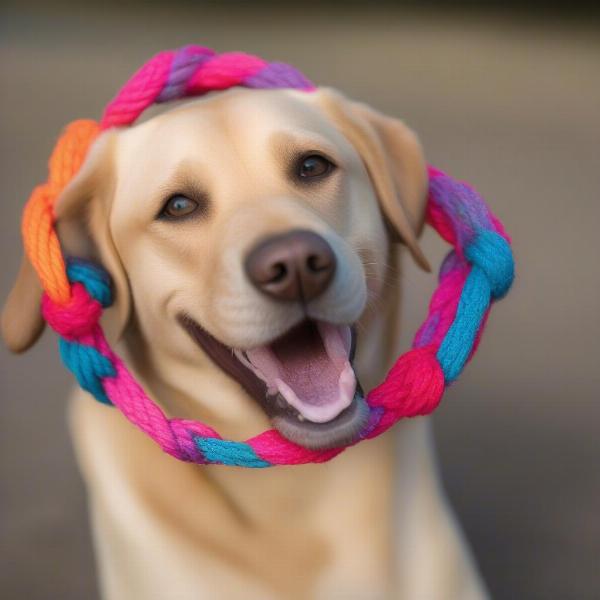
[[22, 322], [82, 223], [394, 160]]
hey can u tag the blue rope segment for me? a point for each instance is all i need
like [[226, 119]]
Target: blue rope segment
[[96, 280], [458, 341], [490, 278], [87, 364], [493, 255], [226, 452]]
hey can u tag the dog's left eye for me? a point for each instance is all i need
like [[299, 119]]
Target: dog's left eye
[[314, 166], [178, 206]]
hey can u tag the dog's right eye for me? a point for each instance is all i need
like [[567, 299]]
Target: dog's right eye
[[178, 207], [313, 166]]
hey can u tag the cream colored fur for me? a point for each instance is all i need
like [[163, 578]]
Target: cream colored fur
[[373, 523]]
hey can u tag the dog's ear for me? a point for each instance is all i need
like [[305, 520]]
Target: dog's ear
[[394, 160], [22, 322], [82, 222]]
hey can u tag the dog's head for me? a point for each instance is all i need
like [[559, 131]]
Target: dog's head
[[247, 232]]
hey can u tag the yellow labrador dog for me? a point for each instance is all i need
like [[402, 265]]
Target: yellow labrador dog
[[251, 236]]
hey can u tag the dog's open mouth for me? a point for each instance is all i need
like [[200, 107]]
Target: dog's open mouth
[[304, 381]]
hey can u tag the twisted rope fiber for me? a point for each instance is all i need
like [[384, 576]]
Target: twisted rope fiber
[[477, 271]]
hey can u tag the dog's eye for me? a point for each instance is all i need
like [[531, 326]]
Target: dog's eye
[[178, 206], [314, 165]]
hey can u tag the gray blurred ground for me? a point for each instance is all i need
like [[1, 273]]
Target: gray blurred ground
[[513, 107]]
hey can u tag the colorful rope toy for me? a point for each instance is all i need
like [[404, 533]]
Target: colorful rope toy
[[476, 272]]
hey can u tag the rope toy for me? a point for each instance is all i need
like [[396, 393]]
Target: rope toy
[[477, 271]]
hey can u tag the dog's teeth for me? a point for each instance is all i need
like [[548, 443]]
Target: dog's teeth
[[300, 417]]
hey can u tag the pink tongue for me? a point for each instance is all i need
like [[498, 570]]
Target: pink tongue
[[309, 366], [305, 367]]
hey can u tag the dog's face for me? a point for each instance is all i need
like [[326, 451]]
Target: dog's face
[[253, 227]]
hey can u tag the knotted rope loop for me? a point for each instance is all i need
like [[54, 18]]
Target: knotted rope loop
[[90, 293], [414, 386], [76, 318], [77, 323], [95, 278], [490, 252], [478, 270]]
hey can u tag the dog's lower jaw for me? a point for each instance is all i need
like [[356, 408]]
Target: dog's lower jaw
[[340, 430]]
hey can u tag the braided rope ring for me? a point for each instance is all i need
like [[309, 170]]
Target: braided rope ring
[[478, 270]]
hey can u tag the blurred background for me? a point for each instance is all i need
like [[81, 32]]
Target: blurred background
[[508, 98]]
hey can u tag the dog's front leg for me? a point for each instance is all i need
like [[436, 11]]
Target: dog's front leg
[[160, 530], [432, 556]]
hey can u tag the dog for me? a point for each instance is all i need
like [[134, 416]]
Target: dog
[[254, 241]]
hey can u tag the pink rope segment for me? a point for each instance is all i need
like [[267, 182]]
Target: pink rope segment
[[194, 71]]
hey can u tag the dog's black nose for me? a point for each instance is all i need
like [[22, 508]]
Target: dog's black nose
[[297, 265]]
